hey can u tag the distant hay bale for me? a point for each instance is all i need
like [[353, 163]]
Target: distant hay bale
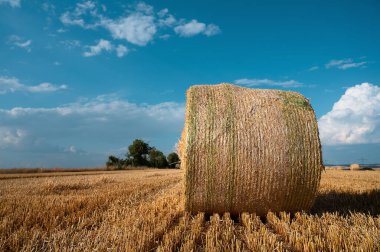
[[339, 167], [249, 150], [355, 167]]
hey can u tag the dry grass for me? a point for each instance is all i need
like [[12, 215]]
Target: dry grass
[[143, 211]]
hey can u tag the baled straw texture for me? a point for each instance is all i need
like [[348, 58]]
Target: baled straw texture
[[249, 150], [355, 167]]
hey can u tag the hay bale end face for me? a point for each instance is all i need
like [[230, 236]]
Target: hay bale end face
[[355, 167], [249, 150]]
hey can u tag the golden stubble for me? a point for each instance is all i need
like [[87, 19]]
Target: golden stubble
[[144, 211]]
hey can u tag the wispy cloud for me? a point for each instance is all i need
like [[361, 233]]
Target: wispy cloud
[[76, 17], [139, 27], [121, 51], [313, 68], [16, 41], [12, 84], [52, 131], [12, 3], [105, 45], [192, 28], [344, 64], [70, 44], [268, 82]]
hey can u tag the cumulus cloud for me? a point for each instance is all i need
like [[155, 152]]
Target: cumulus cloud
[[16, 41], [268, 82], [102, 45], [12, 3], [354, 118], [139, 26], [344, 64], [194, 27], [99, 125], [12, 84]]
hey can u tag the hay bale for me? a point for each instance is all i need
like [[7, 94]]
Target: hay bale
[[249, 150], [355, 167]]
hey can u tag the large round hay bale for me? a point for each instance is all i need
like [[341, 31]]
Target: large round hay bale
[[249, 150], [355, 167]]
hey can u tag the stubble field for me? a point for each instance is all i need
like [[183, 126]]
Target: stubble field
[[143, 211]]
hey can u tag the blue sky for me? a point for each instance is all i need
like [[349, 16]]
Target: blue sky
[[79, 80]]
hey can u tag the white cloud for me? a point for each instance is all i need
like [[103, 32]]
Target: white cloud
[[165, 18], [121, 51], [144, 8], [268, 82], [344, 64], [211, 30], [165, 36], [105, 45], [97, 125], [162, 13], [10, 136], [77, 16], [12, 3], [70, 44], [137, 28], [49, 8], [194, 27], [17, 41], [71, 149], [313, 68], [102, 45], [354, 119], [67, 19], [12, 84], [191, 28]]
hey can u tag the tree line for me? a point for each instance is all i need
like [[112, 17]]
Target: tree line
[[141, 154]]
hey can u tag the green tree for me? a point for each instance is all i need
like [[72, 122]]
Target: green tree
[[137, 153], [157, 158], [173, 159], [115, 162]]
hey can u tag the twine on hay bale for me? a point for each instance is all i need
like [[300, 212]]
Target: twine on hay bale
[[249, 150]]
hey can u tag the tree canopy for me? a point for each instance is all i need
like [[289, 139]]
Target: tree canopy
[[173, 159], [141, 154]]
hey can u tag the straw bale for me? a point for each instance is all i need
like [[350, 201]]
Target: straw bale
[[355, 167], [249, 150]]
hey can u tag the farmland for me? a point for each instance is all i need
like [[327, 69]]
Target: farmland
[[142, 210]]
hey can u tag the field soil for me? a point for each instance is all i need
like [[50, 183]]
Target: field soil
[[143, 211]]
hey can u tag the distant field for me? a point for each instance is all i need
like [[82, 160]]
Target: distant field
[[143, 211]]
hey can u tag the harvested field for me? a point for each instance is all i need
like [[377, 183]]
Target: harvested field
[[143, 211]]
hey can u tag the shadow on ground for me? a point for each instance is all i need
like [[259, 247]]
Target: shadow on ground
[[345, 202]]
